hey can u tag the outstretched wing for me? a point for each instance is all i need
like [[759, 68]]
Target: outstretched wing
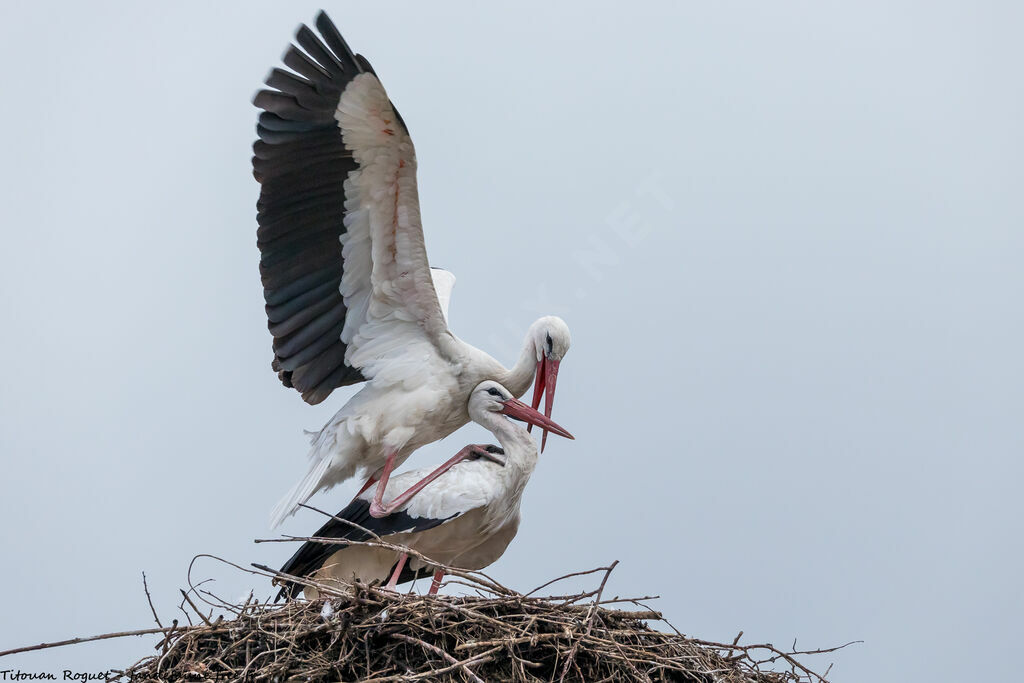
[[345, 273]]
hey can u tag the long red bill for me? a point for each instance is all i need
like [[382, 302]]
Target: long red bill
[[520, 411], [538, 388], [550, 379]]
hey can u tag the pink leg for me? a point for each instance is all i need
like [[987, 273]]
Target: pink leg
[[376, 506], [436, 583], [378, 509], [398, 571], [368, 484]]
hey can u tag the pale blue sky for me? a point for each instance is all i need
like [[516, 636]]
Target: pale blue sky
[[787, 238]]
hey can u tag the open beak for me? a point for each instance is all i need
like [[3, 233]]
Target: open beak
[[547, 377], [518, 410]]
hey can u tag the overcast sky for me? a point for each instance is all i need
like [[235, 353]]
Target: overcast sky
[[787, 237]]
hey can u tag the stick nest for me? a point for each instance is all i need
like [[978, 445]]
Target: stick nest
[[375, 635]]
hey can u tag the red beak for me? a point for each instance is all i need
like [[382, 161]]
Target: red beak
[[547, 377], [519, 410]]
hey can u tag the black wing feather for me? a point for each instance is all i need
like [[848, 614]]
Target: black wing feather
[[298, 363], [301, 164]]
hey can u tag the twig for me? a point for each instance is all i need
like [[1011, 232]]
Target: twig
[[149, 599], [564, 577], [196, 609], [447, 657], [433, 673], [75, 641]]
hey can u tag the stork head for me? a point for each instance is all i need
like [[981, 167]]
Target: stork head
[[551, 340], [489, 397]]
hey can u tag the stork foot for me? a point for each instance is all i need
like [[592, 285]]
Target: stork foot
[[493, 453], [379, 511]]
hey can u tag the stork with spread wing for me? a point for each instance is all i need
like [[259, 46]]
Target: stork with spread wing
[[350, 294]]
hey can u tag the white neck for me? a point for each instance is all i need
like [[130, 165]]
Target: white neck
[[520, 448], [520, 377]]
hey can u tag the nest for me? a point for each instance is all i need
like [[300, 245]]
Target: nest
[[495, 634]]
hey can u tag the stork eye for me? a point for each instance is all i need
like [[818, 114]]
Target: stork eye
[[493, 392], [549, 343]]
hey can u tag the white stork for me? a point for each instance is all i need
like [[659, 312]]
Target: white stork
[[466, 518], [348, 287]]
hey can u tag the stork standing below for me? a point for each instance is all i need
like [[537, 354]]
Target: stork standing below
[[349, 291], [466, 517]]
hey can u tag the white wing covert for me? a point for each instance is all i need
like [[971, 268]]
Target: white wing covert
[[463, 488], [444, 284]]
